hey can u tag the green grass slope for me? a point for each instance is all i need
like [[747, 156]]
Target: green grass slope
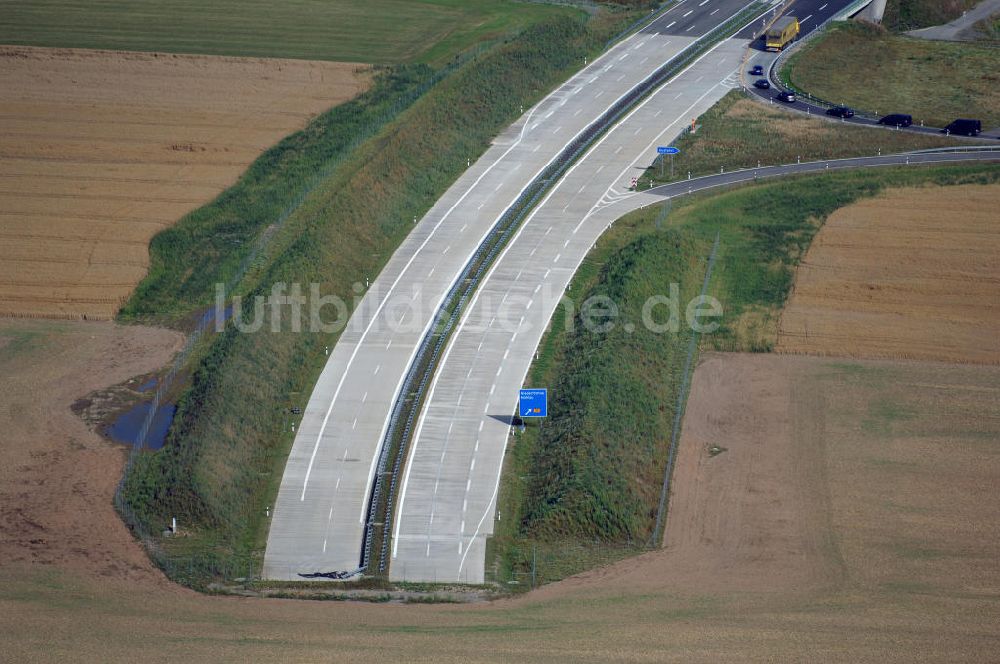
[[873, 70], [380, 31]]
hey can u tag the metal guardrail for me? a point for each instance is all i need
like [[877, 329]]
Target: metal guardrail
[[411, 395]]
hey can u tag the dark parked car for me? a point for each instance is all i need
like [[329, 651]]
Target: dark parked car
[[787, 96], [840, 112], [757, 71], [762, 83], [897, 120], [964, 127]]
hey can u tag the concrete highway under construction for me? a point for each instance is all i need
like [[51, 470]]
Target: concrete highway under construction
[[445, 492]]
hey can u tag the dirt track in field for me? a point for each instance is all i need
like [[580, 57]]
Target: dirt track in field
[[910, 274], [101, 149]]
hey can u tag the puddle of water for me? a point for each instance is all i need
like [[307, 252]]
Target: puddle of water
[[126, 428], [147, 386]]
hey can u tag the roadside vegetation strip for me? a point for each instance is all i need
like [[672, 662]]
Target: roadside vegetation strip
[[767, 136], [588, 478], [222, 464], [411, 395], [876, 73], [379, 32], [211, 244]]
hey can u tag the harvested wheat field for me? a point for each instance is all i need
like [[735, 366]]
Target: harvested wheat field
[[851, 517], [912, 273], [102, 149]]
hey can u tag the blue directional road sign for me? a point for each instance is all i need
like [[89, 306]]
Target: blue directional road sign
[[534, 403], [670, 150]]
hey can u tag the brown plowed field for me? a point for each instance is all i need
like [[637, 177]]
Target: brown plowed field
[[910, 274], [852, 517], [100, 150]]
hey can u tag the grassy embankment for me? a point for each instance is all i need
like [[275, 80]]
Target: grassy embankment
[[224, 456], [873, 70], [739, 132], [582, 488], [902, 15], [381, 31]]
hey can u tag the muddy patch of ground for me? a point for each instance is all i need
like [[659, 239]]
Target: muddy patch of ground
[[58, 477]]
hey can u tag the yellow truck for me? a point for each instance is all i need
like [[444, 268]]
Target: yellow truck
[[781, 34]]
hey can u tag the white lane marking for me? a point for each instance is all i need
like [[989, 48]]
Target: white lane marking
[[577, 112], [354, 426], [546, 274], [462, 229], [822, 8], [621, 77], [388, 344], [689, 12], [599, 94], [599, 169], [699, 78], [713, 13], [690, 28], [538, 287], [672, 23], [565, 244], [536, 147], [806, 19], [643, 61], [536, 248], [679, 95], [364, 398], [412, 455], [494, 388], [378, 310], [446, 250], [557, 258], [580, 191], [703, 3], [375, 373], [428, 276], [481, 426], [557, 129]]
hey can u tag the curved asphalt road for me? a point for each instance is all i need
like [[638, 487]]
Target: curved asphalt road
[[318, 519]]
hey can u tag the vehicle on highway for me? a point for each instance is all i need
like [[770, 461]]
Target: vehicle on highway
[[841, 112], [782, 33], [964, 127], [762, 83], [897, 120], [757, 71], [786, 96]]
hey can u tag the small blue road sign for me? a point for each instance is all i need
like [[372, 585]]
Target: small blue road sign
[[670, 150], [533, 403]]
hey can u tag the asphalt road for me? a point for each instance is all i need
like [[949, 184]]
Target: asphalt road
[[318, 519], [446, 507], [812, 14]]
